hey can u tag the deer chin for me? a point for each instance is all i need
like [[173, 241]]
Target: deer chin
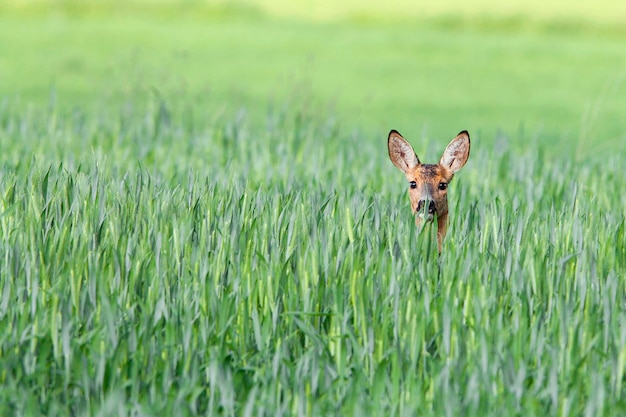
[[422, 217]]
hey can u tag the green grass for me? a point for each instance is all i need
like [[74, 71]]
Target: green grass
[[198, 215], [287, 277]]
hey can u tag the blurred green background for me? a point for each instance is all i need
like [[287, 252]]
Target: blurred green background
[[553, 70]]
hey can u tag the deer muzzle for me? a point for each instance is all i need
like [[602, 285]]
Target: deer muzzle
[[426, 209]]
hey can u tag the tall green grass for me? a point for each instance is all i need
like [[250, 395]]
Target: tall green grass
[[157, 264], [170, 244]]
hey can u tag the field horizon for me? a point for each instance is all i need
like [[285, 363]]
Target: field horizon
[[433, 76]]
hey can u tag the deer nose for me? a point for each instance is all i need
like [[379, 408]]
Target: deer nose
[[431, 206]]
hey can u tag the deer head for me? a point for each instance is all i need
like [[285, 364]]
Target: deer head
[[428, 183]]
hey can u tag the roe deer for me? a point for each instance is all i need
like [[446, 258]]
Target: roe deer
[[428, 183]]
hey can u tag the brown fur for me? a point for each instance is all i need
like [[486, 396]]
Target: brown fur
[[428, 177]]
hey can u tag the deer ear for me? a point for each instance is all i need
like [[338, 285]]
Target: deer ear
[[457, 152], [401, 152]]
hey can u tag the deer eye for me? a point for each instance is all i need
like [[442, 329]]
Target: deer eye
[[443, 185], [413, 184]]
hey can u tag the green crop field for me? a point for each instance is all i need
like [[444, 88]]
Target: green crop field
[[198, 215]]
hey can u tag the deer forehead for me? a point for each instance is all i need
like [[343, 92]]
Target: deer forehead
[[429, 173]]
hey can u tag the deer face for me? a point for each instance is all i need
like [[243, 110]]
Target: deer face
[[428, 183], [428, 191]]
